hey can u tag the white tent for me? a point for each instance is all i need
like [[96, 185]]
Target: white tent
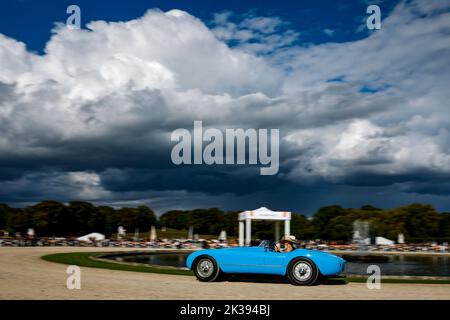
[[246, 217], [383, 241], [92, 236]]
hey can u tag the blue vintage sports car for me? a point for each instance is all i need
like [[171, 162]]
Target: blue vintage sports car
[[301, 266]]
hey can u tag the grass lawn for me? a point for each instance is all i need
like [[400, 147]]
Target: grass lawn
[[84, 259]]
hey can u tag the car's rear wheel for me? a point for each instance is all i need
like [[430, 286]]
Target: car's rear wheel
[[302, 272], [206, 269]]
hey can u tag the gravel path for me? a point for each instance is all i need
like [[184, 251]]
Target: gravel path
[[23, 275]]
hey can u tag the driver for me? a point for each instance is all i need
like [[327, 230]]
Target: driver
[[286, 244]]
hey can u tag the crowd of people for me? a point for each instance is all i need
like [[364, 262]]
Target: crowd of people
[[124, 243], [20, 241], [409, 247]]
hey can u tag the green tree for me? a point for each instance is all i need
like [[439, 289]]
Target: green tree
[[78, 216], [340, 228], [301, 227], [207, 221], [145, 218], [176, 219], [4, 210], [141, 218], [263, 230], [18, 220], [322, 219], [48, 218], [98, 220], [111, 220], [444, 226], [231, 225], [421, 221]]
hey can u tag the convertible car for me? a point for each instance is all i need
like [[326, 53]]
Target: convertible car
[[301, 266]]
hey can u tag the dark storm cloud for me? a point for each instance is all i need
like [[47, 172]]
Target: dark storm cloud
[[212, 180], [92, 118]]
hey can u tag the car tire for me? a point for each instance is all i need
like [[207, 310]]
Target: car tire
[[206, 269], [302, 272]]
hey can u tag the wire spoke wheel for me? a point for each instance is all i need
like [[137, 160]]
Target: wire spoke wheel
[[302, 271], [205, 268]]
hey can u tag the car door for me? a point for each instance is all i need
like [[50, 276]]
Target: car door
[[243, 260], [275, 262]]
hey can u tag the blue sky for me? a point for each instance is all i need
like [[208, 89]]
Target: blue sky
[[31, 21], [88, 114]]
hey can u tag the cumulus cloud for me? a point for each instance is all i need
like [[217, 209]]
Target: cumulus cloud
[[91, 117], [400, 73]]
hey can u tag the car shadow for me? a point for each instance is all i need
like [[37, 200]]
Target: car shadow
[[259, 278]]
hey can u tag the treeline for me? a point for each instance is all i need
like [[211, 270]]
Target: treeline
[[53, 218], [418, 222]]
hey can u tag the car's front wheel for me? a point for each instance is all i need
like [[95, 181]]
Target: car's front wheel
[[302, 272], [206, 269]]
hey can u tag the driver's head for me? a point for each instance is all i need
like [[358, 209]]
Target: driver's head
[[288, 238]]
